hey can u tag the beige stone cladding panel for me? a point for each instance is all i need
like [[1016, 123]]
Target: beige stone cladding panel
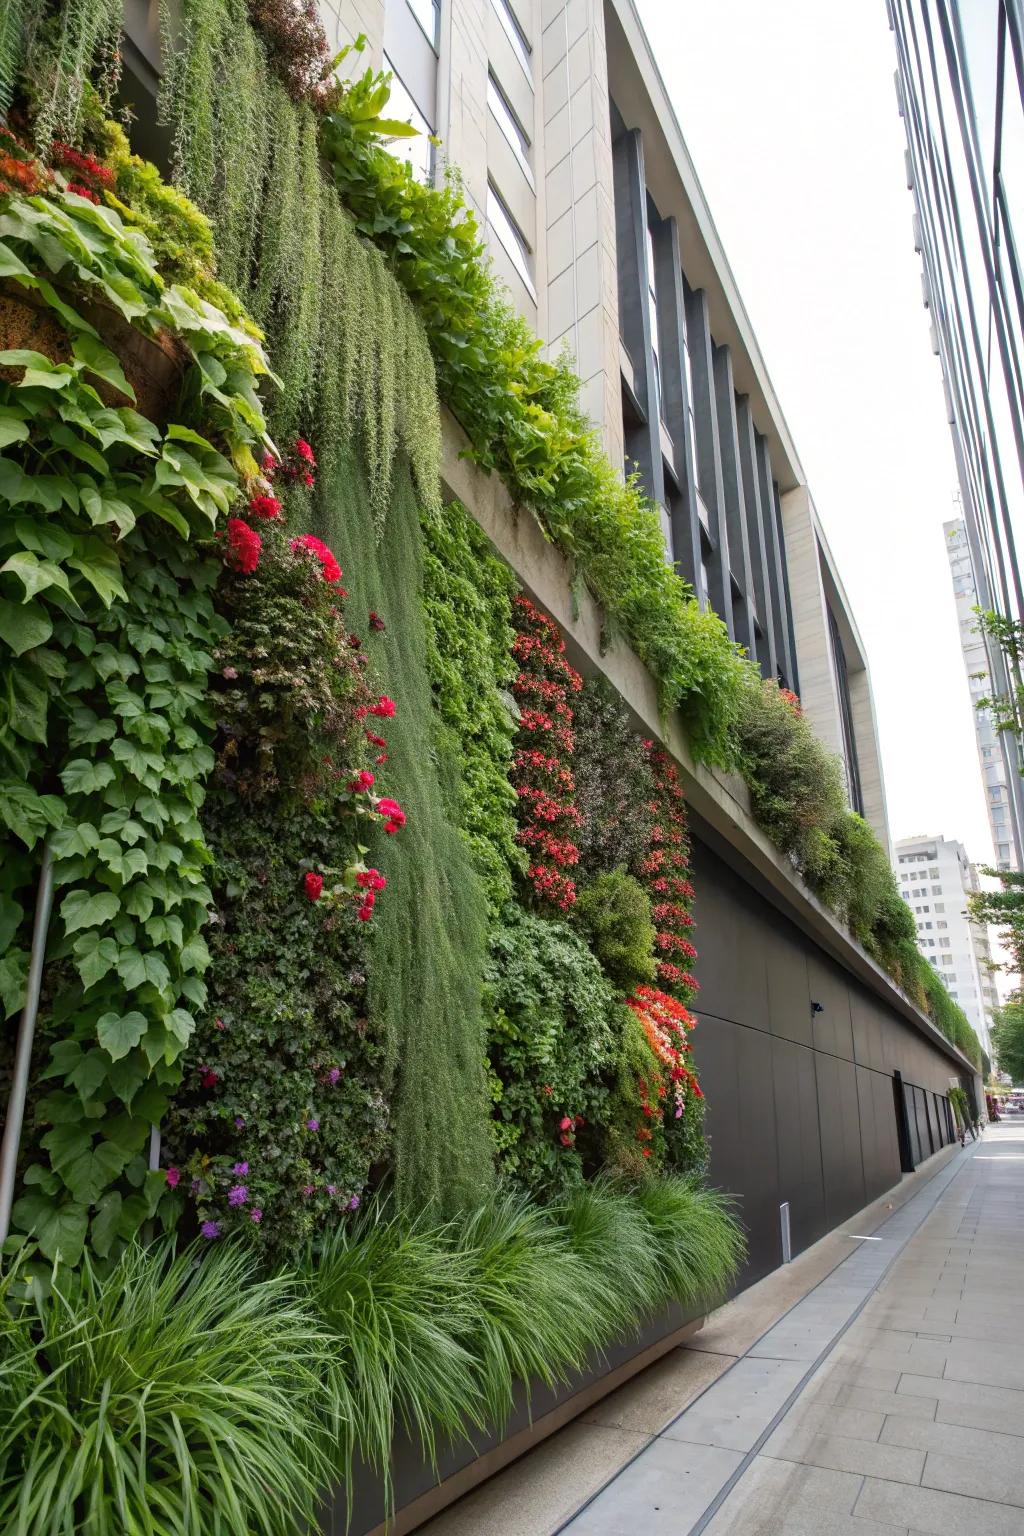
[[345, 20], [582, 313], [869, 759], [818, 693], [463, 93]]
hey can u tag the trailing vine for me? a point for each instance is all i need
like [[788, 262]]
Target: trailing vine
[[351, 354]]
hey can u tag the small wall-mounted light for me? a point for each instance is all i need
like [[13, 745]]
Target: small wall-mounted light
[[817, 1008]]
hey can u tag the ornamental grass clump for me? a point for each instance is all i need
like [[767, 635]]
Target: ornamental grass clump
[[163, 1394]]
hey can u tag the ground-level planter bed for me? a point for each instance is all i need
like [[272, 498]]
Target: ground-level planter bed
[[422, 1490]]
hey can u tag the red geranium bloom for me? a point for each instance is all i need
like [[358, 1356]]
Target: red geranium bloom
[[384, 707], [304, 451], [244, 546], [329, 567], [314, 884], [265, 506]]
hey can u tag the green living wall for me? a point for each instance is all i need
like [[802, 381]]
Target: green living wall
[[362, 1085]]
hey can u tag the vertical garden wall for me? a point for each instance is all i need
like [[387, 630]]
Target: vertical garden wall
[[361, 1087]]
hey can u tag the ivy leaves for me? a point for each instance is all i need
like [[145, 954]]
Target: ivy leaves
[[108, 628]]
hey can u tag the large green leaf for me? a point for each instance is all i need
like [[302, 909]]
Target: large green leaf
[[82, 777], [102, 362], [24, 625], [79, 909], [120, 1033], [105, 1222], [36, 575], [58, 1227]]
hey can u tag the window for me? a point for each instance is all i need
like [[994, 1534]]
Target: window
[[652, 309], [510, 126], [943, 943], [933, 874], [927, 925], [510, 236], [428, 14], [515, 34], [941, 924], [936, 891], [940, 906], [418, 151]]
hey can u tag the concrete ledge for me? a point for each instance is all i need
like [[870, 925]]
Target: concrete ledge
[[717, 801]]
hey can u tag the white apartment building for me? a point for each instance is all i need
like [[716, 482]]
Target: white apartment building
[[935, 878], [995, 760]]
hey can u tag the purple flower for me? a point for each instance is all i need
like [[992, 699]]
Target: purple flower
[[307, 1189], [237, 1194], [333, 1075], [312, 1125], [353, 1204], [256, 1214], [332, 1189], [239, 1123], [240, 1168], [210, 1230]]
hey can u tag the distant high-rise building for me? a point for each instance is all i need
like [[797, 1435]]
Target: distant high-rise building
[[995, 748], [960, 87], [935, 878]]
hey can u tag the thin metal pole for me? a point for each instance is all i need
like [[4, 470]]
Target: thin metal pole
[[23, 1052]]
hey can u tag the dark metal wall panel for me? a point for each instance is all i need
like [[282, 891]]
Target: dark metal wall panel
[[800, 1107], [839, 1118], [789, 993], [799, 1141]]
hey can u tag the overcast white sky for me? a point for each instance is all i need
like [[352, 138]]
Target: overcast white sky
[[789, 112]]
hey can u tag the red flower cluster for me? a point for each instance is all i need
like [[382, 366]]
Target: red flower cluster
[[86, 176], [314, 885], [394, 816], [244, 546], [542, 766], [329, 567], [19, 170], [267, 507], [295, 467], [369, 881], [664, 872], [792, 700], [665, 1023]]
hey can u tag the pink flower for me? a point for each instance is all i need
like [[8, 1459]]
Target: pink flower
[[353, 1204], [240, 1169], [314, 885], [256, 1214], [333, 1075], [565, 1124], [384, 707], [230, 673], [312, 1125], [238, 1195], [173, 1177], [363, 780]]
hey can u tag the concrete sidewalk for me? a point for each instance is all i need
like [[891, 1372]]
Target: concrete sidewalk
[[874, 1385], [890, 1399]]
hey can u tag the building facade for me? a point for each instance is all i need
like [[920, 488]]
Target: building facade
[[936, 877], [996, 757], [570, 153], [960, 90]]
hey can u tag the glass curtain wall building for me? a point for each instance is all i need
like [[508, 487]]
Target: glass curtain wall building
[[960, 86]]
